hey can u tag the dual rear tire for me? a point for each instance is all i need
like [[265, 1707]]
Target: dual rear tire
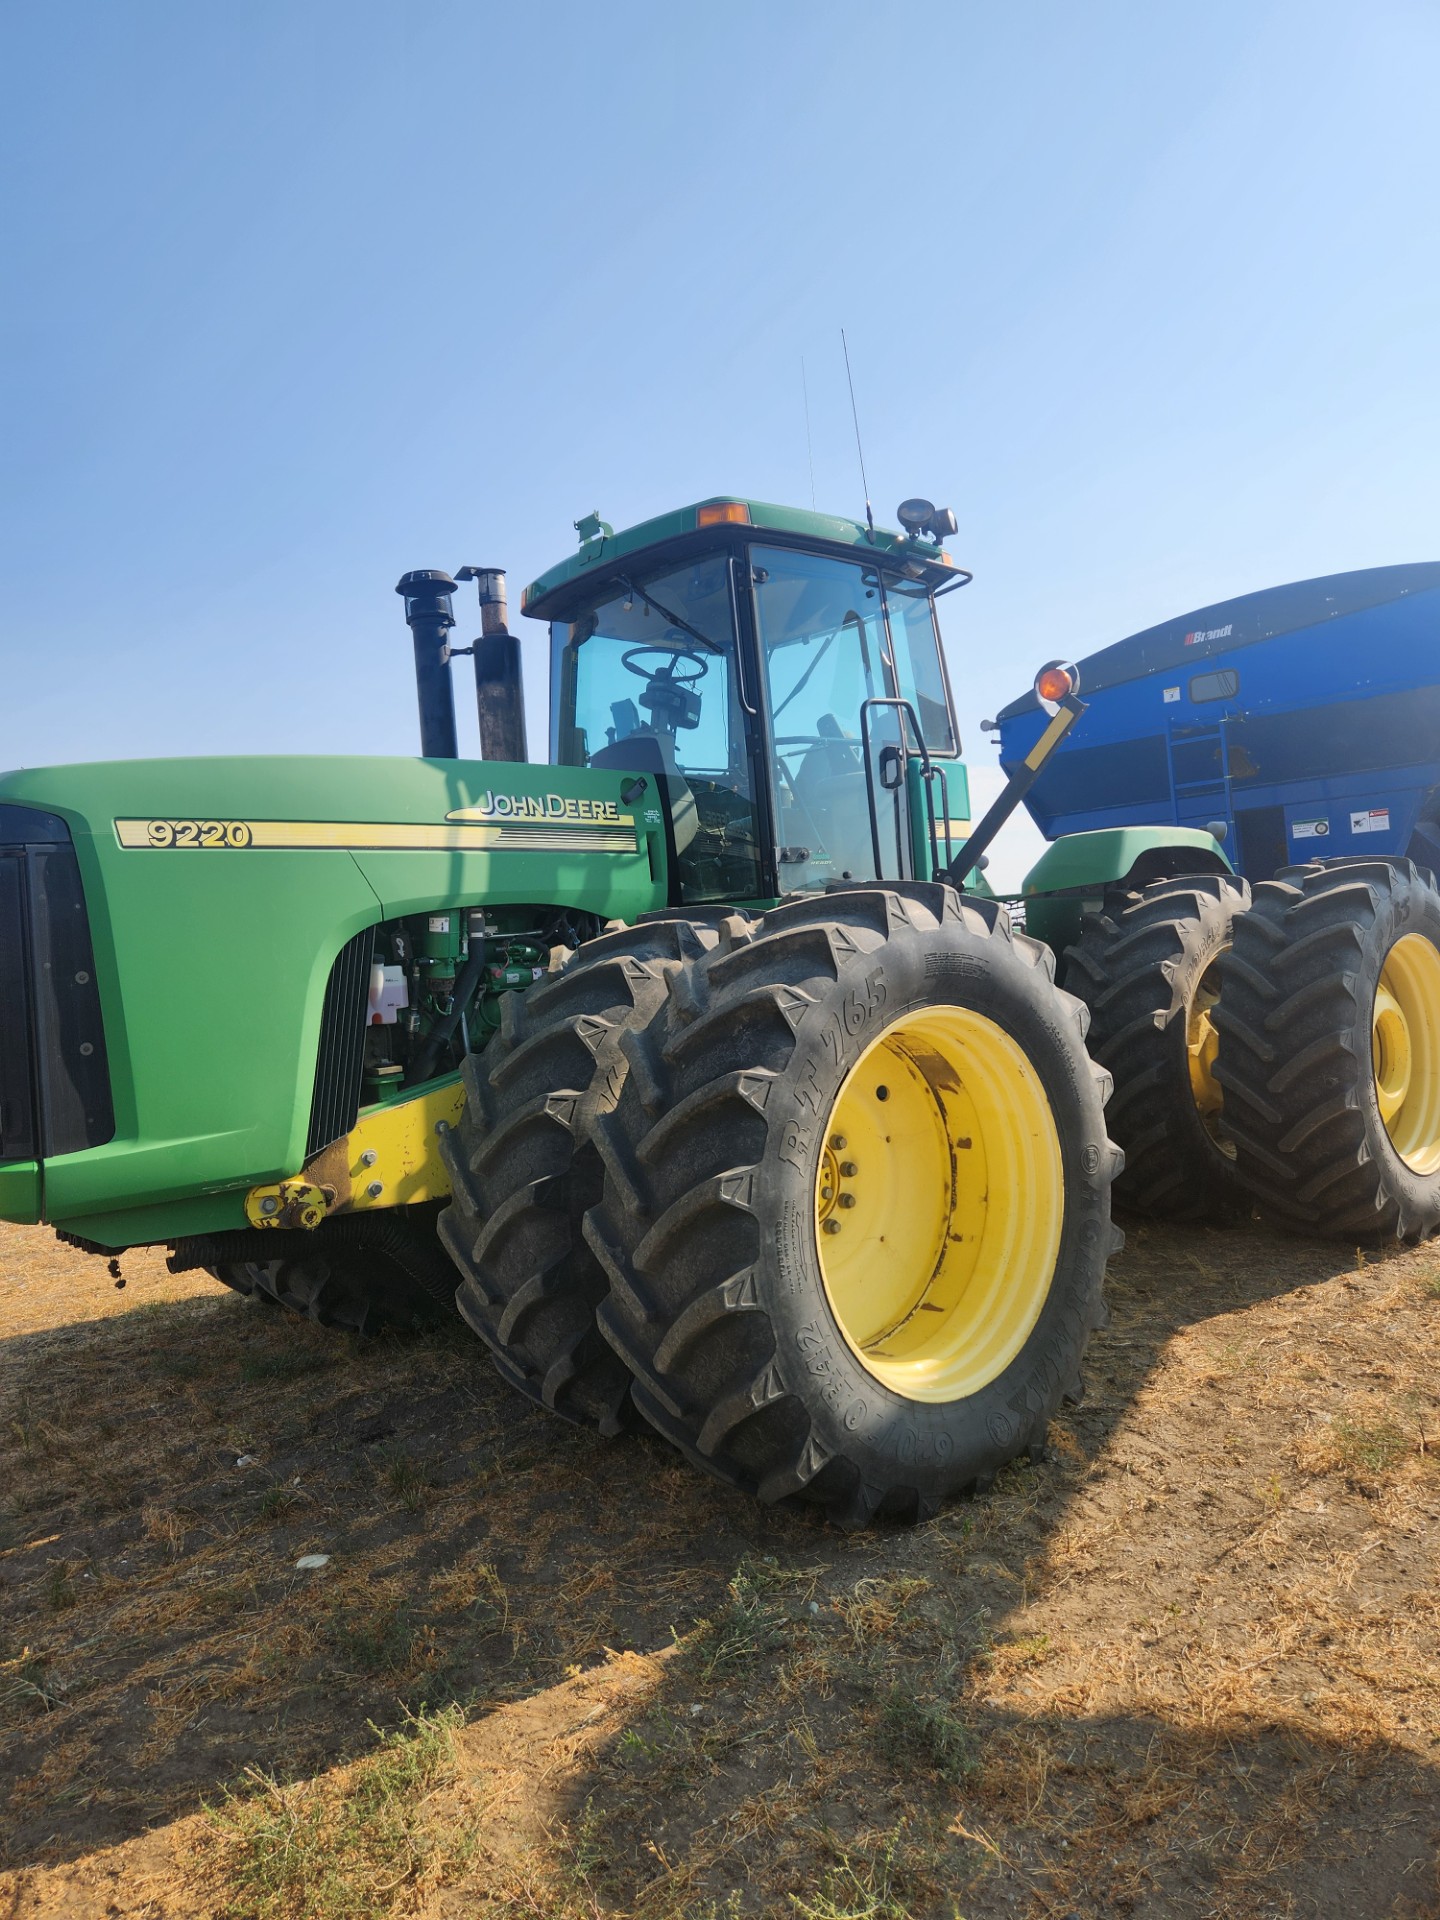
[[845, 1186], [524, 1168], [1279, 1051], [1147, 966], [1329, 1023]]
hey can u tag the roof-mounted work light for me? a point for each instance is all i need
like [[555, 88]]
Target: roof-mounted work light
[[923, 516]]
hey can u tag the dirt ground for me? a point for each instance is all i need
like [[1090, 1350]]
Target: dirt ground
[[1186, 1666]]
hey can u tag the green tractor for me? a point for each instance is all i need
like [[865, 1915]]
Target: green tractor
[[701, 1056]]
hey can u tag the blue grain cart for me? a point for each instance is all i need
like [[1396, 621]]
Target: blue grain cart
[[1273, 1034], [1305, 717]]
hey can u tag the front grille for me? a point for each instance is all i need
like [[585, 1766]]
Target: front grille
[[54, 1075], [18, 1115], [340, 1063]]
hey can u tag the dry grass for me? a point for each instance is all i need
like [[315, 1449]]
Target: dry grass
[[362, 1842], [1186, 1667]]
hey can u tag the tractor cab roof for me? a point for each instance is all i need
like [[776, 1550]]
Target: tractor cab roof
[[603, 552]]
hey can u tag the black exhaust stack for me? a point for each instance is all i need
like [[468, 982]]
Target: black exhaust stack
[[430, 617], [499, 692]]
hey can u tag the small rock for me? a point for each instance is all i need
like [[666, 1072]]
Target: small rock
[[247, 1460], [312, 1562], [814, 1607]]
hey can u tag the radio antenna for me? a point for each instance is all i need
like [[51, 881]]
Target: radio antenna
[[855, 416], [809, 443]]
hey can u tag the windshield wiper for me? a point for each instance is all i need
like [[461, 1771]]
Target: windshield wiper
[[674, 618]]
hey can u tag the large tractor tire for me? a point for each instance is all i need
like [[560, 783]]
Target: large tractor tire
[[1329, 1023], [857, 1203], [523, 1169], [366, 1274], [1147, 967]]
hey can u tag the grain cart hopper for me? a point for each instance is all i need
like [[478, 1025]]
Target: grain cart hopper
[[699, 1051], [1289, 1054]]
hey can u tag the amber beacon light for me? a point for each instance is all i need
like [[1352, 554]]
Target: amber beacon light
[[723, 513], [1056, 682]]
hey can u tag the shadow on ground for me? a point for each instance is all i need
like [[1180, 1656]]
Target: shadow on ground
[[1186, 1666]]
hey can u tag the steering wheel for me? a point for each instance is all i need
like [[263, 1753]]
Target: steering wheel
[[672, 656]]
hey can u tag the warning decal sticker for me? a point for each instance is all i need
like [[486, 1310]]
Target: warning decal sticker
[[1373, 820], [1309, 829]]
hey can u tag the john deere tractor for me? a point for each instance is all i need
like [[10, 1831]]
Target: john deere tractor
[[701, 1057]]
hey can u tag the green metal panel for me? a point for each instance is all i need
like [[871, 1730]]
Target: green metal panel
[[1055, 918], [957, 790], [958, 785], [1074, 871], [212, 962], [612, 549], [20, 1191], [1109, 854]]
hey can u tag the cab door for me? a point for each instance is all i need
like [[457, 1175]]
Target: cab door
[[835, 736]]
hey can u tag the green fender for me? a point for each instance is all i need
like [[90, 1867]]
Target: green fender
[[1072, 874]]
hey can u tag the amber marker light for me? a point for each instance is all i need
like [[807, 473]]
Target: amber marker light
[[1055, 682], [723, 513]]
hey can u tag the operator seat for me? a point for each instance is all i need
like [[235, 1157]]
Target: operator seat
[[830, 786]]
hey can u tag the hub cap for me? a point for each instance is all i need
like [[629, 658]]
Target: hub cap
[[1202, 1045], [1405, 1048], [939, 1202]]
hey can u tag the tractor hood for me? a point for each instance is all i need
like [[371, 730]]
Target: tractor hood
[[168, 927]]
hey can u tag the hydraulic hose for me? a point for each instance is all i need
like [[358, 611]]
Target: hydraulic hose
[[440, 1034]]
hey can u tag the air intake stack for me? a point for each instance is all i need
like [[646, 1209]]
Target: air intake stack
[[430, 616]]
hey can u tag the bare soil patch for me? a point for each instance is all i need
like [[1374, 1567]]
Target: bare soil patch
[[1186, 1666]]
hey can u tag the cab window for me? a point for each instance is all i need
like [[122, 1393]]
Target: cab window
[[647, 680], [919, 671]]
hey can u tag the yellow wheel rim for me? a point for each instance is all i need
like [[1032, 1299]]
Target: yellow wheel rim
[[1405, 1048], [1202, 1045], [939, 1203]]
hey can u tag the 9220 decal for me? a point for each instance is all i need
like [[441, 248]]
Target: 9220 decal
[[198, 833]]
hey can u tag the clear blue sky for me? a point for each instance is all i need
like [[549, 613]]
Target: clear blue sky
[[301, 295]]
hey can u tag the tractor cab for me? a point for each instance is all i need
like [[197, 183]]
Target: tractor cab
[[776, 672]]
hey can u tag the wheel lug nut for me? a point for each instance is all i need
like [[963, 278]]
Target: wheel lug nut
[[847, 1199], [837, 1143], [832, 1226], [849, 1169]]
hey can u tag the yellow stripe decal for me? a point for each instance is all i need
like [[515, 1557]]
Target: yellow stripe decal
[[380, 835], [1062, 721]]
